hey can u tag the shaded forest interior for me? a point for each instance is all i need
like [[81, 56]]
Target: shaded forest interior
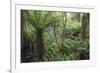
[[54, 36]]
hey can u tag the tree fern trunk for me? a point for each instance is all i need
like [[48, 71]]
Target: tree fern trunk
[[39, 44]]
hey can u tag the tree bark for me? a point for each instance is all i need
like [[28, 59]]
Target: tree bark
[[39, 44], [85, 25]]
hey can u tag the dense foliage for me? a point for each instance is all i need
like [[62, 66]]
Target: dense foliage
[[54, 36]]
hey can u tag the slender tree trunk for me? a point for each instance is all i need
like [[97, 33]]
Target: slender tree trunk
[[39, 44], [55, 35], [64, 25]]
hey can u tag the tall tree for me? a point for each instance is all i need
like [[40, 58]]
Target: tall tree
[[63, 18], [40, 20], [26, 43], [85, 25]]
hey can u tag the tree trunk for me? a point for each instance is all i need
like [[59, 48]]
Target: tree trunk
[[39, 44], [85, 25]]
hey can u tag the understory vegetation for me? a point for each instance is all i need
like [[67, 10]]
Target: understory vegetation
[[54, 36]]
